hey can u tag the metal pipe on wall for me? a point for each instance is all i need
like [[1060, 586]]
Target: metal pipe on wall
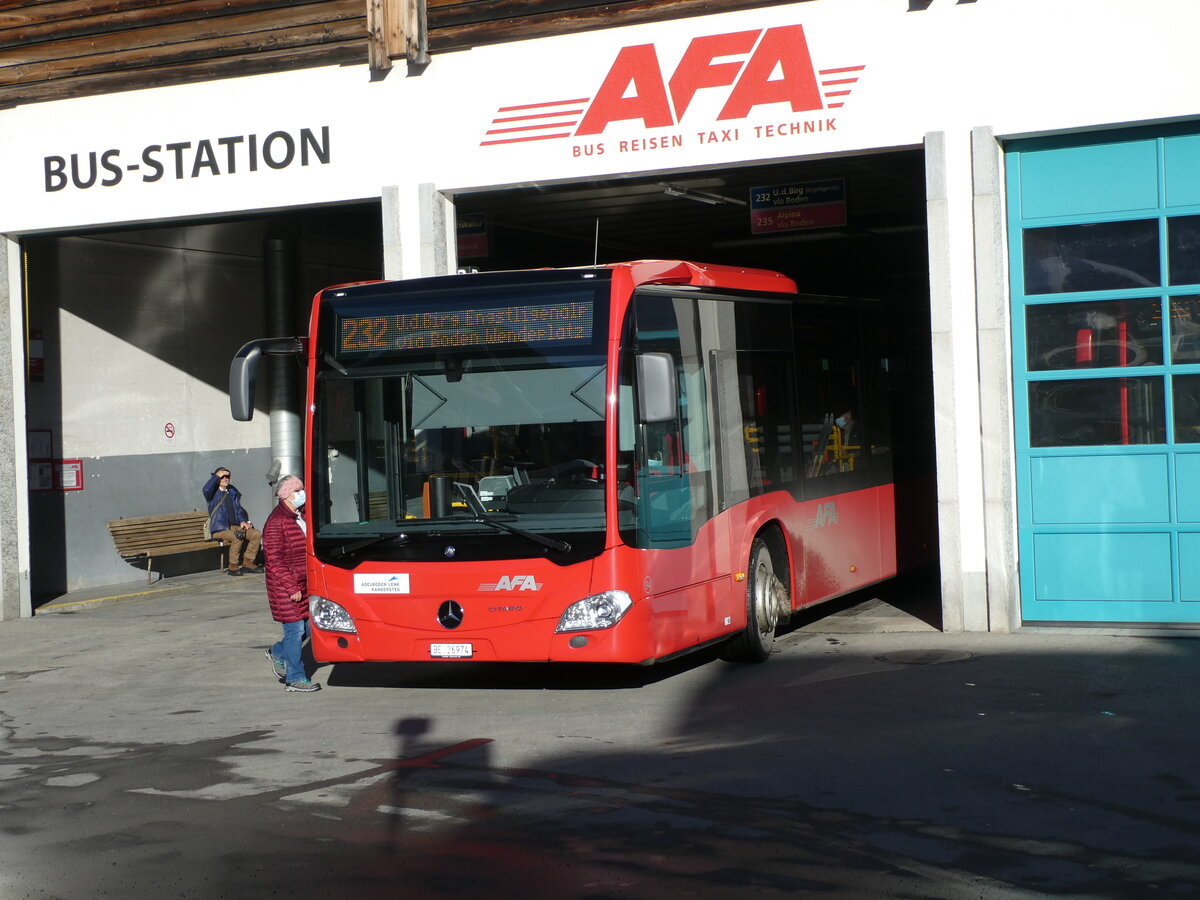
[[287, 446]]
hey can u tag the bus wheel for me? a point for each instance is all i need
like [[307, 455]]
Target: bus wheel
[[762, 608]]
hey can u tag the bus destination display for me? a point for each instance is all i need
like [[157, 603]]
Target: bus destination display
[[543, 325]]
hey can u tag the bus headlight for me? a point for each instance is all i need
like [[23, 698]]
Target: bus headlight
[[330, 616], [603, 610]]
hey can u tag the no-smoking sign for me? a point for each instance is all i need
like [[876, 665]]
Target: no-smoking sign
[[169, 432]]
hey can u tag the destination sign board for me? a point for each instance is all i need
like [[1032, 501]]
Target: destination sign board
[[538, 326]]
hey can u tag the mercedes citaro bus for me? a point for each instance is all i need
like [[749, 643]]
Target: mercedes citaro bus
[[619, 463]]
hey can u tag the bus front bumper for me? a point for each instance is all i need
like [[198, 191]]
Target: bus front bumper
[[630, 640]]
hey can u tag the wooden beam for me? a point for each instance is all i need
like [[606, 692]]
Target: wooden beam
[[377, 56], [416, 31], [396, 29], [263, 28], [109, 81], [51, 49], [83, 17], [480, 31]]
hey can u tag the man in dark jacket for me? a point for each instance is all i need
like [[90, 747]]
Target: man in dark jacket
[[229, 523], [287, 583]]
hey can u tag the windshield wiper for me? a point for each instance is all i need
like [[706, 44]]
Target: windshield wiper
[[483, 517], [355, 546]]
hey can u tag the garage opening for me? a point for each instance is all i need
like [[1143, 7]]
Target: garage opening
[[847, 226], [130, 334]]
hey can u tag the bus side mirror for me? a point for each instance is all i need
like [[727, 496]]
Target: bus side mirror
[[657, 400], [243, 373]]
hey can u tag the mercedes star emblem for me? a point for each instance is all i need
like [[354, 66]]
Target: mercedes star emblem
[[450, 614]]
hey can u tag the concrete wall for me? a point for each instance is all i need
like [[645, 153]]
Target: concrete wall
[[138, 329], [14, 506]]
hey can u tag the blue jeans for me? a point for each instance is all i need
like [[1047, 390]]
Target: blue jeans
[[288, 650]]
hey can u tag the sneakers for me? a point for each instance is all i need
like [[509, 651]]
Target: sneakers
[[251, 570], [233, 572], [278, 666]]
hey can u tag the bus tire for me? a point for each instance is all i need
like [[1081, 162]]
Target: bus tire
[[753, 643]]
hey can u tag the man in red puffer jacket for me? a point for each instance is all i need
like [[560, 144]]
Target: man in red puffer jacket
[[287, 583]]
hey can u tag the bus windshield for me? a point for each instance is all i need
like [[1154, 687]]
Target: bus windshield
[[463, 421]]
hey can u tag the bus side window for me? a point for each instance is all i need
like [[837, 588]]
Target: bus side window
[[768, 430], [829, 353], [669, 460]]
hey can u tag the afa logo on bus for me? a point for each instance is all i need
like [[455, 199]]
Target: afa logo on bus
[[755, 68], [513, 583]]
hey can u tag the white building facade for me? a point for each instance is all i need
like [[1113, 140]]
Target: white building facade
[[1057, 138]]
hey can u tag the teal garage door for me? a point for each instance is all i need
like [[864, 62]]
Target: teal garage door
[[1104, 238]]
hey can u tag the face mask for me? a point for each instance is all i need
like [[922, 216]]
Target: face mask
[[839, 422], [298, 499]]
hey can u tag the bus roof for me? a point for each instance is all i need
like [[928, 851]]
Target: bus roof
[[639, 272], [675, 271]]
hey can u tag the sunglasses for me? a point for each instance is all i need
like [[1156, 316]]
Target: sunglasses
[[225, 476]]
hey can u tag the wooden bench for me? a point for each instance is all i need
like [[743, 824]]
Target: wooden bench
[[377, 505], [152, 536]]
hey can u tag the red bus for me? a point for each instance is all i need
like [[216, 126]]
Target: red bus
[[612, 464]]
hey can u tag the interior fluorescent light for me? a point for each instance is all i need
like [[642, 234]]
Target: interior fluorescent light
[[672, 190]]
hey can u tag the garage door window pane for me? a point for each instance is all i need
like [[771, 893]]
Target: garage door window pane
[[1183, 239], [1093, 335], [1096, 411], [1186, 389], [1185, 330], [1101, 257]]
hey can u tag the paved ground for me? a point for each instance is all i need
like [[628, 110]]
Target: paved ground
[[145, 751], [904, 606]]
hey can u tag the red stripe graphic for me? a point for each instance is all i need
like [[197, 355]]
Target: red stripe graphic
[[540, 137], [541, 105], [532, 127], [556, 111], [827, 82], [565, 112]]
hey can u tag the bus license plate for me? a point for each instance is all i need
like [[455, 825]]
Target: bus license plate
[[451, 651]]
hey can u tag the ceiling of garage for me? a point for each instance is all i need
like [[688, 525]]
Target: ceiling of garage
[[881, 248]]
